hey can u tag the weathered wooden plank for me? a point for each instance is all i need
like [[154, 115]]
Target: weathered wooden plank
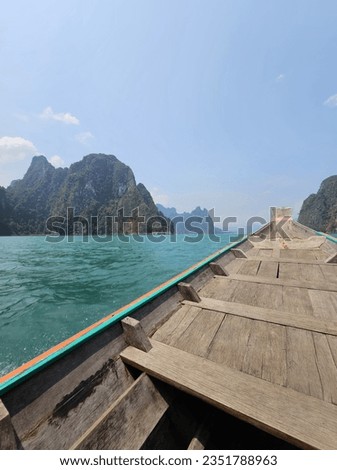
[[197, 338], [177, 324], [260, 295], [269, 296], [234, 266], [326, 368], [323, 286], [127, 423], [329, 272], [290, 254], [302, 372], [230, 341], [253, 251], [324, 304], [265, 353], [77, 412], [303, 420], [297, 300], [305, 254], [268, 269], [250, 268], [219, 290], [34, 400], [264, 253], [314, 262], [135, 335], [302, 253], [289, 271], [302, 322], [7, 433], [320, 255], [245, 293], [311, 273], [332, 342], [276, 252]]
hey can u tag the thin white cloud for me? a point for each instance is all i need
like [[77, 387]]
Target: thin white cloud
[[49, 115], [15, 149], [280, 77], [56, 161], [331, 102], [84, 137]]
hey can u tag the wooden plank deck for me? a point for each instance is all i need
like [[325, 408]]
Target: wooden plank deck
[[269, 326]]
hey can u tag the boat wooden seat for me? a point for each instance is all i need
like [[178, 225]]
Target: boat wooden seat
[[298, 418]]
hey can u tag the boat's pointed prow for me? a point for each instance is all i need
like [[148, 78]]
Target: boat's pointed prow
[[279, 213]]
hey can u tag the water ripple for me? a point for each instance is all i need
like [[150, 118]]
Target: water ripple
[[49, 291]]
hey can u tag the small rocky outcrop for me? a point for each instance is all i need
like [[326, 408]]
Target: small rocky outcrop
[[319, 211]]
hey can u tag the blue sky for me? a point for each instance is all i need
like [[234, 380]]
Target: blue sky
[[230, 105]]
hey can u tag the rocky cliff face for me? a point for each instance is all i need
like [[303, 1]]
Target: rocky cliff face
[[88, 195], [4, 213], [32, 198], [319, 211]]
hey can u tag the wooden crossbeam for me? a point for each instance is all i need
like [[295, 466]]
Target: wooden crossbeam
[[322, 286], [303, 420], [303, 322], [290, 260]]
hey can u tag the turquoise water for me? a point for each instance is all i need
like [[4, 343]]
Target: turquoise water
[[49, 291]]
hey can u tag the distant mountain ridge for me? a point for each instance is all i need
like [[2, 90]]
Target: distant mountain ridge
[[201, 218], [97, 188], [319, 211]]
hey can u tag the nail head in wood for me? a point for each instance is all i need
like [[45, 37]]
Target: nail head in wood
[[135, 335], [238, 253], [188, 292], [7, 433], [218, 270]]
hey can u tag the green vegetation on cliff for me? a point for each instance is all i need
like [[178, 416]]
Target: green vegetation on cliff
[[97, 188]]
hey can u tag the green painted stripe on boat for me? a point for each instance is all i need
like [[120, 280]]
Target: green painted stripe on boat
[[328, 237], [16, 380]]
